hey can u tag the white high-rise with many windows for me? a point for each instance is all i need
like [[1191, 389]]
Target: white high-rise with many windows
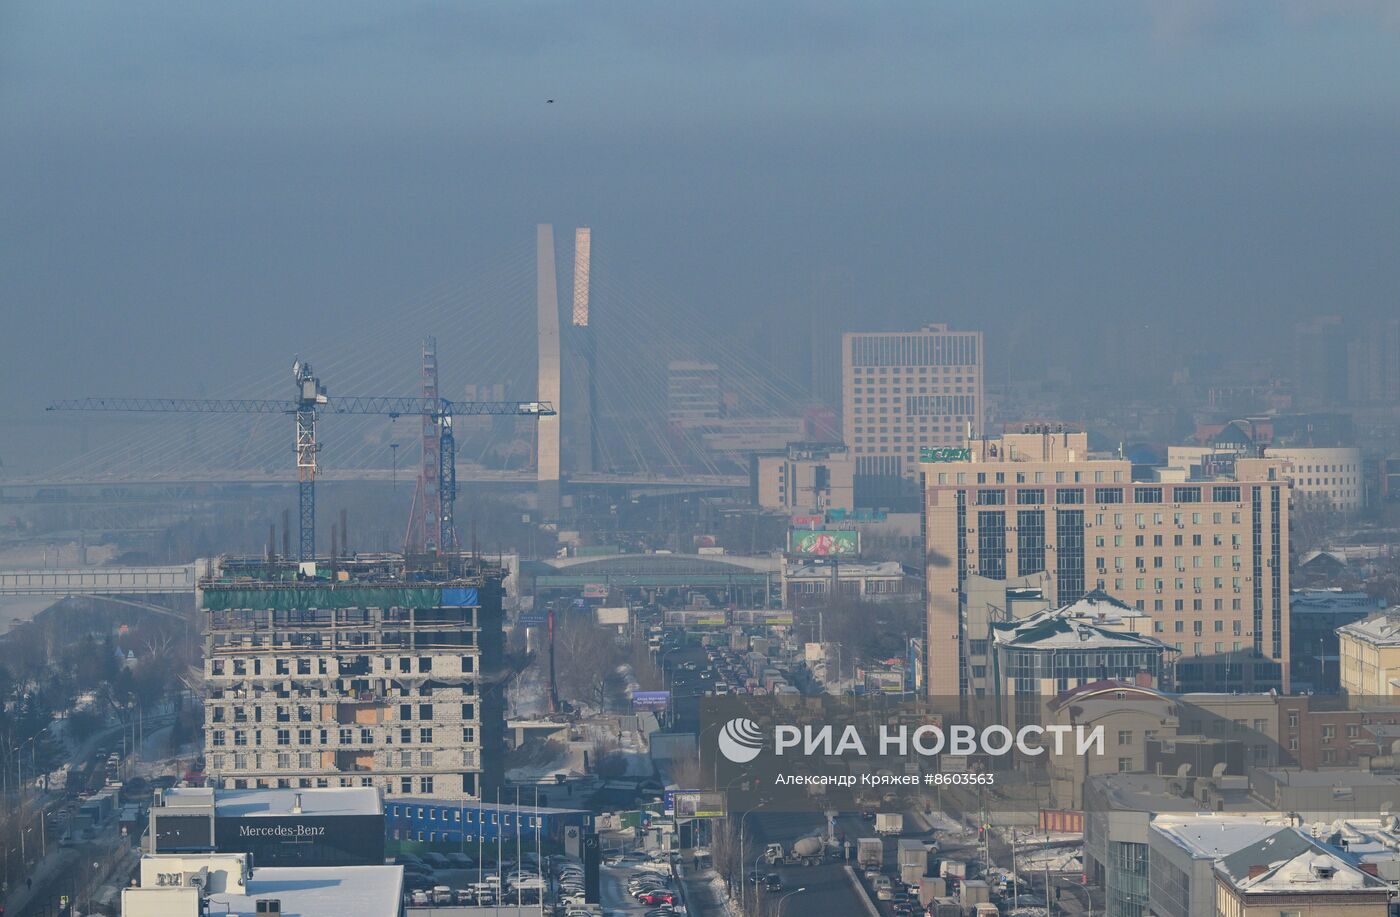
[[908, 390]]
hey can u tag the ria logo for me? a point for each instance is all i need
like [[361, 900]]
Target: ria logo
[[740, 740]]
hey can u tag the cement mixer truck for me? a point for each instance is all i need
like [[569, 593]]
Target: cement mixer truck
[[808, 851]]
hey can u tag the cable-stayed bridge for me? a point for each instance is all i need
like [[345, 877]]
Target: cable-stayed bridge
[[608, 354]]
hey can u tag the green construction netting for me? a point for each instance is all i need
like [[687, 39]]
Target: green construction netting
[[322, 597]]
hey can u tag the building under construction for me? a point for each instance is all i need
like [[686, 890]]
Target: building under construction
[[378, 671]]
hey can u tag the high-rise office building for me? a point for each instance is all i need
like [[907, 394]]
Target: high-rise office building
[[1030, 520], [906, 391], [373, 672], [692, 394]]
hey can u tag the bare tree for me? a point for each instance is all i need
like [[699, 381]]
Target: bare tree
[[869, 630], [1313, 522], [585, 659]]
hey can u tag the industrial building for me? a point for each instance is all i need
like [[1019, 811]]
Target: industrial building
[[376, 671], [1205, 559], [343, 826]]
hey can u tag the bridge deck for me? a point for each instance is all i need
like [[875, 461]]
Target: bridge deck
[[100, 581]]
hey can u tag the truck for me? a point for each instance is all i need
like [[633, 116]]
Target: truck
[[913, 861], [807, 851], [889, 823], [945, 907], [870, 851]]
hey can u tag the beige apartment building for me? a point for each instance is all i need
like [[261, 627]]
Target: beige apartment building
[[906, 391], [805, 478], [1369, 653], [1321, 478], [1205, 559]]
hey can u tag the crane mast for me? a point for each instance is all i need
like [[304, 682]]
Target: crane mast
[[311, 394]]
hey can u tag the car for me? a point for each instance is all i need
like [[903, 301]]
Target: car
[[658, 897], [772, 882]]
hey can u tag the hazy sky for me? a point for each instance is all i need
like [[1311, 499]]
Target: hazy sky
[[192, 188]]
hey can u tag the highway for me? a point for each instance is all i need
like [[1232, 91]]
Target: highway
[[829, 888]]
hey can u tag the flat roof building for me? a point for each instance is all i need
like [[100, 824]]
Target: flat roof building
[[902, 392], [341, 826], [805, 478], [1118, 812], [355, 672], [1183, 850], [195, 885], [693, 396]]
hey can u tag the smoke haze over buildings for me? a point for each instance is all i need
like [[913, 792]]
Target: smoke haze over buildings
[[212, 187]]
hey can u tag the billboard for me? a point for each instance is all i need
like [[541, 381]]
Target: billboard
[[533, 619], [611, 616], [595, 591], [708, 617], [650, 700], [823, 544], [697, 804], [763, 617]]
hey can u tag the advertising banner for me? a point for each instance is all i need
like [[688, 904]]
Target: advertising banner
[[611, 617], [708, 617], [698, 804], [762, 617], [823, 544], [651, 700]]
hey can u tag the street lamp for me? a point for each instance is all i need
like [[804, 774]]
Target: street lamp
[[743, 857], [757, 880], [795, 891]]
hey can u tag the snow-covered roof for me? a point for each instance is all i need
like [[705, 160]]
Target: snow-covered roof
[[1289, 862], [1328, 601], [321, 891], [281, 802], [1056, 628], [1213, 836], [1379, 630], [1099, 605]]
